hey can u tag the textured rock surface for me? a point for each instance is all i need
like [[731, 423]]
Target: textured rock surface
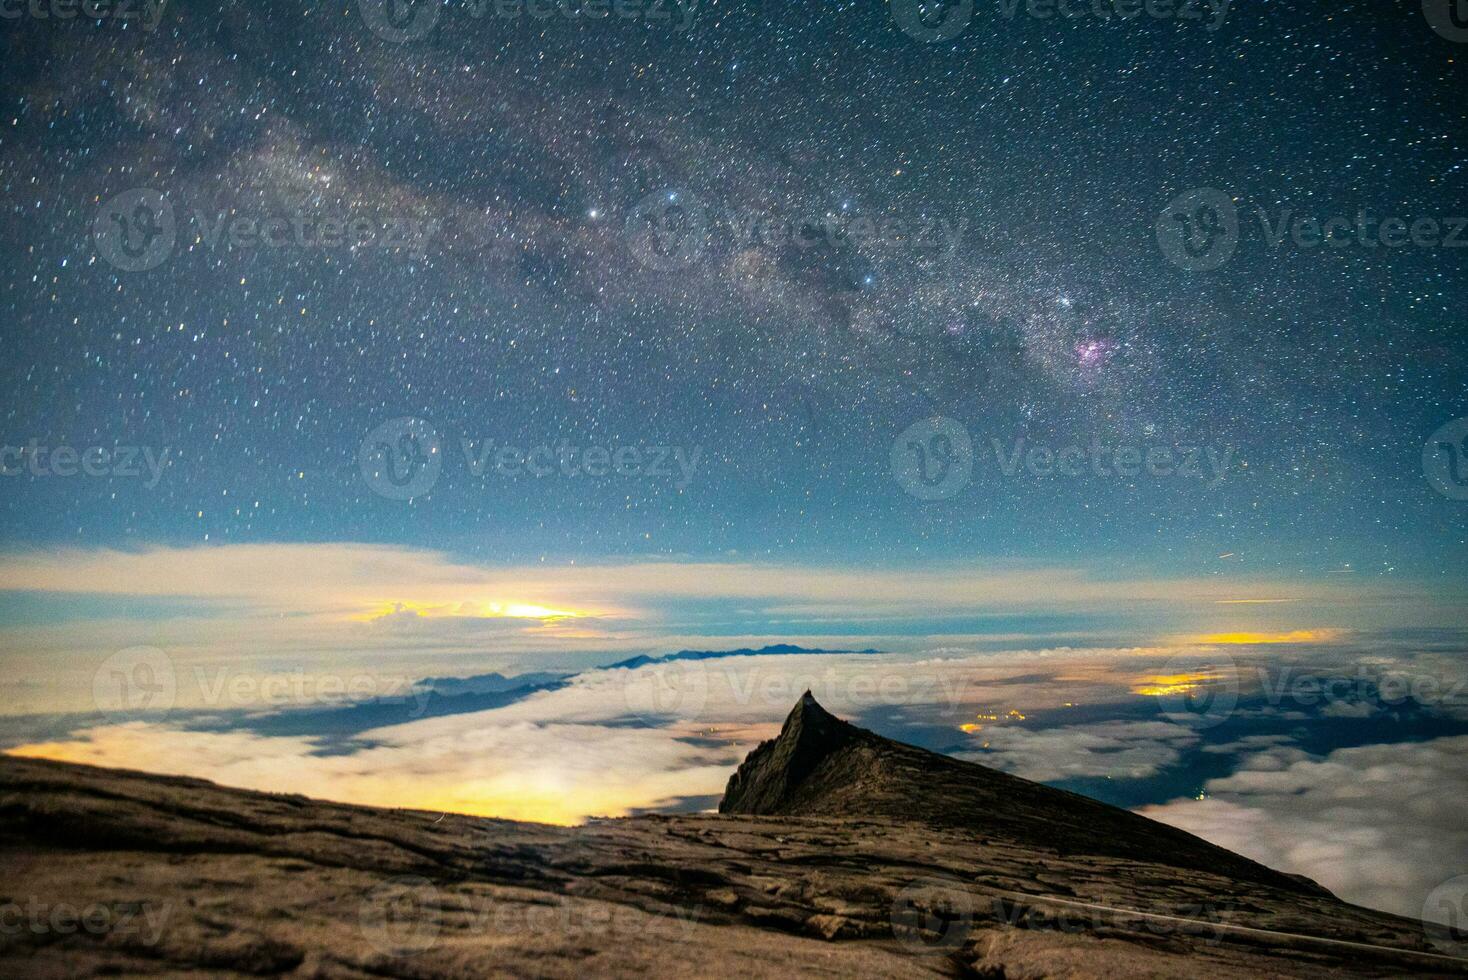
[[822, 766], [117, 872]]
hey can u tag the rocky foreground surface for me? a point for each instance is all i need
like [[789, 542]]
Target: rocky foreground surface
[[837, 853]]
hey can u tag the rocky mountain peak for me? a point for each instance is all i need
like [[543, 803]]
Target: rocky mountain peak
[[772, 775], [822, 766]]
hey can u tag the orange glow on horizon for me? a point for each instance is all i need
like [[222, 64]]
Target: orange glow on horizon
[[1162, 685], [543, 798], [471, 610], [1291, 636]]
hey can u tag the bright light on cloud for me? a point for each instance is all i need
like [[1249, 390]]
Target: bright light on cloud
[[1288, 636], [1166, 685], [321, 607], [546, 772], [470, 610]]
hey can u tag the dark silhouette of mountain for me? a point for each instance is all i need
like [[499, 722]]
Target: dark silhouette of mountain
[[491, 683], [339, 724], [776, 649], [337, 727], [821, 766]]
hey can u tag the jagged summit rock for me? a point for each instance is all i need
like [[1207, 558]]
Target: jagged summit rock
[[777, 776], [821, 766]]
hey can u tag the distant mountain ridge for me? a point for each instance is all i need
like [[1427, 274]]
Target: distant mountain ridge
[[775, 649], [438, 697], [491, 683]]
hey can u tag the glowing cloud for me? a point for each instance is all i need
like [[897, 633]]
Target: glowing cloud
[[1163, 685], [469, 610], [1292, 636]]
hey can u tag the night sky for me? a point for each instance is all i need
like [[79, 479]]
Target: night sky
[[1086, 359], [528, 318]]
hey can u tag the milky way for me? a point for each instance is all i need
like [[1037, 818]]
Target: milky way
[[876, 229]]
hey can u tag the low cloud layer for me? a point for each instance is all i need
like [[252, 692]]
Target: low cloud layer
[[607, 743], [1379, 825], [551, 773], [357, 607], [1119, 749]]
